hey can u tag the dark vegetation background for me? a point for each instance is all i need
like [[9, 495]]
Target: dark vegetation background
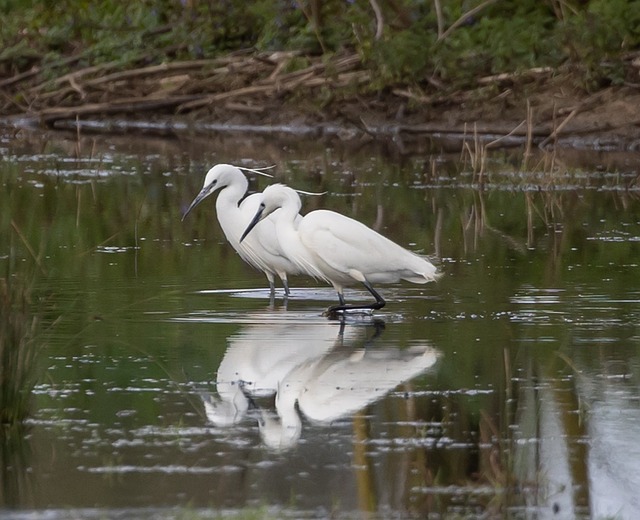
[[425, 52], [437, 44]]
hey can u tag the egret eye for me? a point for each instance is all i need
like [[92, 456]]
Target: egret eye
[[210, 187]]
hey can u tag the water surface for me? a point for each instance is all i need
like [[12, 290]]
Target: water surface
[[168, 384]]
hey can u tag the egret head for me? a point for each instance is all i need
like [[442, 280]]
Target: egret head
[[217, 177], [274, 197], [220, 176]]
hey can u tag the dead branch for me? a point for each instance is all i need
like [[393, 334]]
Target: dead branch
[[513, 76], [465, 17], [50, 115], [71, 75], [503, 129], [20, 77], [221, 96], [379, 18]]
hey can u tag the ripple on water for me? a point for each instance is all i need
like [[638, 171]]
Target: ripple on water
[[169, 469]]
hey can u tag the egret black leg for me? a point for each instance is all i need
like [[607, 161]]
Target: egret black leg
[[285, 284], [272, 293], [379, 299], [378, 304]]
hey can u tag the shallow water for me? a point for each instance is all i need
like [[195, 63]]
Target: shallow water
[[509, 388]]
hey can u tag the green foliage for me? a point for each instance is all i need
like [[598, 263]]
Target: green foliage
[[406, 55], [280, 23], [508, 37], [313, 26], [597, 37], [507, 40], [109, 30], [589, 36]]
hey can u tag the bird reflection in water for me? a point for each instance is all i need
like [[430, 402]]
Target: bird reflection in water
[[321, 370]]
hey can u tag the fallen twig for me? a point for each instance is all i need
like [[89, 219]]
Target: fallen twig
[[511, 76], [582, 106], [50, 115], [464, 18]]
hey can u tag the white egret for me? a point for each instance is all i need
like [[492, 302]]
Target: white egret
[[338, 249], [234, 212]]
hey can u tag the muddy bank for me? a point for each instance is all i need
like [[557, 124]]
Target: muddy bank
[[257, 93]]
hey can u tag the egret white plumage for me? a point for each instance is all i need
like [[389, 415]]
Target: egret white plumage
[[235, 211], [338, 249]]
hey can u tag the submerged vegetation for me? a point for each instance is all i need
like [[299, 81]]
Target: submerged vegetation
[[18, 349], [417, 50]]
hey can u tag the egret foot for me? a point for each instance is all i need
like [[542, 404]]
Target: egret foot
[[337, 311], [343, 307]]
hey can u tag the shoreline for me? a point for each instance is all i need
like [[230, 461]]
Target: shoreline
[[253, 93]]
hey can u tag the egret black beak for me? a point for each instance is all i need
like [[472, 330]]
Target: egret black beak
[[257, 218], [199, 198]]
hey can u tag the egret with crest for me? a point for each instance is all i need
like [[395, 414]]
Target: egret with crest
[[336, 248], [235, 211]]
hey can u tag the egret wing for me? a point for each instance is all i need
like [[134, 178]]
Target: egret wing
[[352, 249]]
